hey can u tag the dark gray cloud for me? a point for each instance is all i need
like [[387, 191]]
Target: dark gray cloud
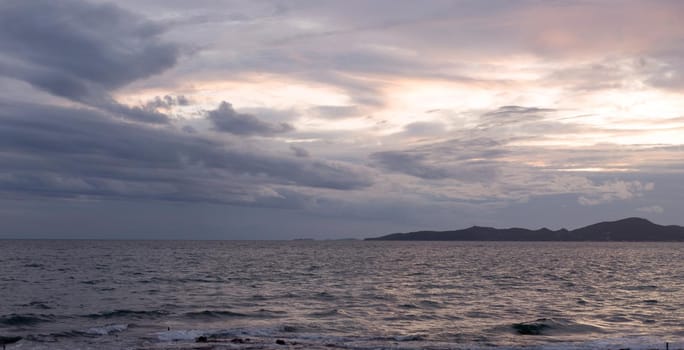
[[81, 51], [510, 123], [98, 43], [58, 152], [226, 119], [299, 152], [166, 102], [137, 113], [451, 161], [409, 163], [466, 155]]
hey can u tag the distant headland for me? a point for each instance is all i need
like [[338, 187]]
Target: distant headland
[[625, 230]]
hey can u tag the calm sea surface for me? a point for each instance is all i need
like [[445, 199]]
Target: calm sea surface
[[341, 294]]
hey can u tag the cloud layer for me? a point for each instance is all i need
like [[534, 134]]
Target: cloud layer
[[226, 119], [349, 116], [82, 51]]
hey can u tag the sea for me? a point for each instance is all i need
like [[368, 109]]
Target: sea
[[83, 294]]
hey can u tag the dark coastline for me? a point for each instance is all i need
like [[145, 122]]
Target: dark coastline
[[625, 230]]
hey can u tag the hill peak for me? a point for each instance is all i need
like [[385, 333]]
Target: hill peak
[[635, 220]]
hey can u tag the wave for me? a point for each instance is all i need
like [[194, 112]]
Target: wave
[[24, 319], [93, 282], [288, 329], [269, 338], [551, 326], [328, 313], [37, 305], [34, 265], [324, 296], [266, 313], [639, 287], [217, 335], [179, 335], [413, 337], [617, 319], [97, 331], [205, 314], [201, 280], [106, 329], [429, 303], [128, 313]]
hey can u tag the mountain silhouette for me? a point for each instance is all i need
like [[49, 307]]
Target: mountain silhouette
[[625, 230]]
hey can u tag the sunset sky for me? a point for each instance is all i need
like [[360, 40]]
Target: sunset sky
[[333, 119]]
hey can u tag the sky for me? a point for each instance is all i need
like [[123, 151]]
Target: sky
[[207, 119]]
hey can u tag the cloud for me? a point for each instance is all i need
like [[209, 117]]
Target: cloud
[[423, 129], [653, 209], [461, 160], [494, 164], [665, 69], [409, 163], [82, 51], [226, 119], [335, 112], [98, 43], [615, 190], [519, 121], [299, 152], [51, 151], [516, 113], [533, 102], [166, 102], [603, 74]]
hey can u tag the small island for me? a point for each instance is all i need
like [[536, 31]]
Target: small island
[[625, 230]]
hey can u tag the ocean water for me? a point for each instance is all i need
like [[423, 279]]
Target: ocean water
[[341, 295]]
